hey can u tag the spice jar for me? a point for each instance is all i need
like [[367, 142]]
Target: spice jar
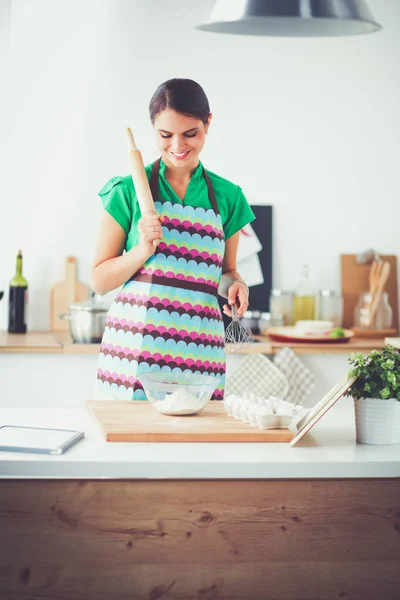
[[281, 307], [330, 307], [266, 321]]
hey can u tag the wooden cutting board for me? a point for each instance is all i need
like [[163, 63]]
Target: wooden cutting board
[[355, 279], [127, 421], [64, 293]]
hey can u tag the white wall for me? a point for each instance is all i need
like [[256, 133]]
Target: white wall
[[67, 381], [308, 125]]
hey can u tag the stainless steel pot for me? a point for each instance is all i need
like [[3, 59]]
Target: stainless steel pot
[[86, 321]]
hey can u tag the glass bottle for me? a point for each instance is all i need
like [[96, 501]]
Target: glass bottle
[[18, 298], [383, 317], [304, 298]]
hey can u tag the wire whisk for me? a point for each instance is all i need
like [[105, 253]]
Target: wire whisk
[[236, 334]]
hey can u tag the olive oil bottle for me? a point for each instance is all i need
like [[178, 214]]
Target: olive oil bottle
[[18, 299], [304, 298]]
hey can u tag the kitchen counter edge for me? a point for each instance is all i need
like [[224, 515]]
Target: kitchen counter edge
[[60, 342]]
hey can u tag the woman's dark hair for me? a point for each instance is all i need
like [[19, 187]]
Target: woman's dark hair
[[183, 95]]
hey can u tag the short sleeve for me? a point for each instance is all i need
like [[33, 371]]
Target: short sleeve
[[239, 214], [115, 198]]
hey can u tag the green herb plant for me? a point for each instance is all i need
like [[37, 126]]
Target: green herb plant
[[378, 374]]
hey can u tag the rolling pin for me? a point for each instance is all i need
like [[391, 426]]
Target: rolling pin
[[139, 178], [146, 202]]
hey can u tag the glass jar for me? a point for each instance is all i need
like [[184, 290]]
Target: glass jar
[[266, 321], [330, 307], [281, 307], [381, 319]]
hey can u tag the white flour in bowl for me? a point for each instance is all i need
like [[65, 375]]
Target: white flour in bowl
[[180, 402]]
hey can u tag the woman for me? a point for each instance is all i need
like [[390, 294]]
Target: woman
[[166, 316]]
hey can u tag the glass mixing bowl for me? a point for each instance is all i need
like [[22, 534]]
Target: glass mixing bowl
[[178, 393]]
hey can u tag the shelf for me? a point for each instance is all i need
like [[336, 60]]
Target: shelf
[[60, 342]]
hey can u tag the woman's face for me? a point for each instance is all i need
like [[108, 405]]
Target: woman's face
[[180, 138]]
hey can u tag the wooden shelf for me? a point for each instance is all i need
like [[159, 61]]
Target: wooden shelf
[[69, 347], [29, 342], [60, 342]]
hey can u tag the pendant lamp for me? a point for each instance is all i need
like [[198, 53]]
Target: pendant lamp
[[291, 18]]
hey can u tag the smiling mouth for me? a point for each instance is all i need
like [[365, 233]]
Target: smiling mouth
[[181, 155]]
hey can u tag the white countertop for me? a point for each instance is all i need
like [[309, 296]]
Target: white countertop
[[328, 451]]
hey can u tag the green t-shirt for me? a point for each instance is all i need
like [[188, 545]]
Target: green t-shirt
[[120, 201]]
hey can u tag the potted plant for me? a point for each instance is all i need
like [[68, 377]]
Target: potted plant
[[376, 394]]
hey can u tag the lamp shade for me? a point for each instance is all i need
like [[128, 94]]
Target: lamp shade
[[292, 18]]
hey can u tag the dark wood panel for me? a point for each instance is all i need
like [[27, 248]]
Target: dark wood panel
[[236, 540]]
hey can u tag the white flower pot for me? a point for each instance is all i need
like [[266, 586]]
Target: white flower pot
[[377, 421]]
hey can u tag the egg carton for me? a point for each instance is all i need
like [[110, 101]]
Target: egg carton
[[265, 413]]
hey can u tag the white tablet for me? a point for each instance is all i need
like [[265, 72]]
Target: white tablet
[[41, 440]]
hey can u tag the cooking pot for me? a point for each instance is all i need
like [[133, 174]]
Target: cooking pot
[[87, 321]]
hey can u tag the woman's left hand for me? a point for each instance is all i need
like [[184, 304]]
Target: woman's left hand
[[237, 294]]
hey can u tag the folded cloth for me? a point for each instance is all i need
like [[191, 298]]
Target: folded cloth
[[301, 380], [257, 374]]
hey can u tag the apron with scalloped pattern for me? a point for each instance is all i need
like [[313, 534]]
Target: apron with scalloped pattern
[[167, 316]]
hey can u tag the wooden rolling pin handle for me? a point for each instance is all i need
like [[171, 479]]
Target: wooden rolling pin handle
[[130, 137], [152, 212], [139, 178]]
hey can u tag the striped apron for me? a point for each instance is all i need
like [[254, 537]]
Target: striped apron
[[167, 317]]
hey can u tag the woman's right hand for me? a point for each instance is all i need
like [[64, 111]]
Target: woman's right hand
[[149, 227]]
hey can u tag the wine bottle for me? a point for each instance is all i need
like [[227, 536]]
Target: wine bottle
[[18, 299]]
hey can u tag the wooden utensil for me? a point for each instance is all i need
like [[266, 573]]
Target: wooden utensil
[[355, 280], [64, 293], [373, 277], [139, 178]]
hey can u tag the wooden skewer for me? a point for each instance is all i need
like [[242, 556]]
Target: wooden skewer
[[139, 178], [383, 277]]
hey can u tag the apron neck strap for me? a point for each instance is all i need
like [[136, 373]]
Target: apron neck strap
[[154, 185], [211, 192]]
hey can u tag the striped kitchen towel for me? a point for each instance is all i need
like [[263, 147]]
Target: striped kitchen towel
[[257, 374]]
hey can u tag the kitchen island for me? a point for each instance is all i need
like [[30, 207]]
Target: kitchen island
[[317, 521]]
